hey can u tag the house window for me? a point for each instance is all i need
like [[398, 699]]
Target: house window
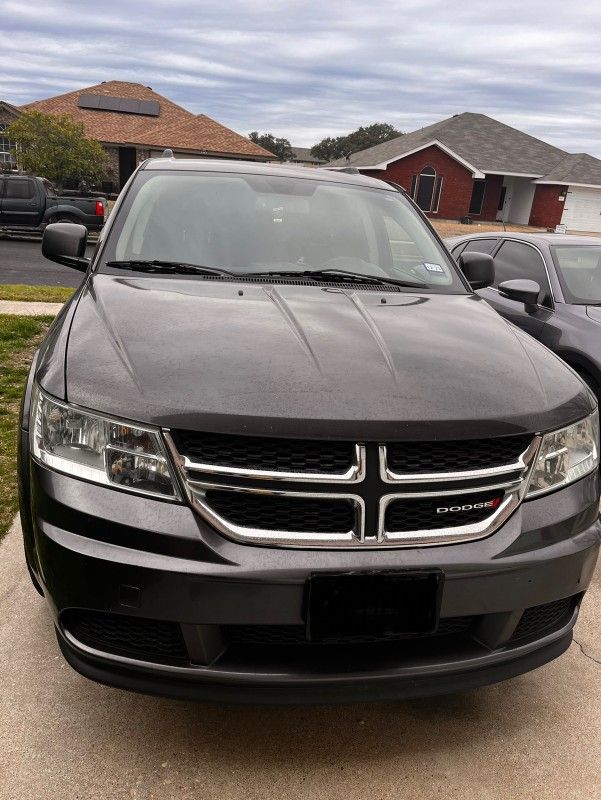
[[477, 196], [424, 193], [7, 158]]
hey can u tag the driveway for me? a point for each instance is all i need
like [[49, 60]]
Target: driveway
[[23, 262], [64, 737]]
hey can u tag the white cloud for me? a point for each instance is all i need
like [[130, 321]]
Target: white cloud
[[307, 70]]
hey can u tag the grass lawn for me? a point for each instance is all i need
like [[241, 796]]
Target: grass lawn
[[19, 337], [448, 227], [42, 294]]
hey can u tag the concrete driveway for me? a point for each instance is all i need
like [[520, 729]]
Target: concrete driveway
[[63, 737]]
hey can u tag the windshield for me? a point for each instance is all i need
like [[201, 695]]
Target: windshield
[[580, 270], [261, 223]]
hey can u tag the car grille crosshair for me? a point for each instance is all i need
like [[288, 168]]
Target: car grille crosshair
[[322, 493]]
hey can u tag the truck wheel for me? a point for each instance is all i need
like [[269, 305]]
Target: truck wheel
[[63, 218]]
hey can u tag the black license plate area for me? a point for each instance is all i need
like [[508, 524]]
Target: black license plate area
[[380, 604]]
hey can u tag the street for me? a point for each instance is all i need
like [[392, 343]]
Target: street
[[23, 262], [64, 737]]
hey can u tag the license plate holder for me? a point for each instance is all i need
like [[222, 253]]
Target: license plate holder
[[376, 603]]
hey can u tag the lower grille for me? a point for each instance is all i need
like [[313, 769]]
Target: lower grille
[[146, 639], [289, 513], [437, 512], [295, 634], [538, 620]]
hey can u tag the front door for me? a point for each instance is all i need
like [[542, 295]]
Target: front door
[[20, 202], [127, 164], [520, 260]]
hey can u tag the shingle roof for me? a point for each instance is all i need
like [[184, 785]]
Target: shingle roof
[[304, 154], [575, 168], [173, 127], [483, 142], [203, 133]]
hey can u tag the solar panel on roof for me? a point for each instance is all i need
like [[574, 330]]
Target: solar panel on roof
[[123, 105]]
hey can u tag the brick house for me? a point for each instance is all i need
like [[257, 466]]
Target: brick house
[[472, 165], [133, 123]]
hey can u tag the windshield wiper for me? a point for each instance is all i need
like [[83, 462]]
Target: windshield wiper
[[158, 266], [342, 275]]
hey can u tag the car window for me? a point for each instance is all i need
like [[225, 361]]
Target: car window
[[252, 223], [517, 260], [480, 246], [19, 189], [579, 268], [458, 249], [49, 189]]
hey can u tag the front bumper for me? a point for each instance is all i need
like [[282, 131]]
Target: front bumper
[[106, 551]]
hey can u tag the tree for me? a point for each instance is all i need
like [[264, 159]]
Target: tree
[[56, 148], [281, 148], [342, 146]]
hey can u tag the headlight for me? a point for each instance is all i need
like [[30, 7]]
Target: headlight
[[100, 449], [566, 455]]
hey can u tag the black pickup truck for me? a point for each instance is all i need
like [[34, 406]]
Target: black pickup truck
[[27, 202]]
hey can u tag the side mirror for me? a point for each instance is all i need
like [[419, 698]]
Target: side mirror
[[522, 291], [65, 243], [478, 268]]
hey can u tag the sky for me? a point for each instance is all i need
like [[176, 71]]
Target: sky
[[306, 70]]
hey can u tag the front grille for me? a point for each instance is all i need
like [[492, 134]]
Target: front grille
[[278, 635], [418, 458], [427, 513], [543, 619], [296, 492], [272, 512], [263, 453], [137, 637]]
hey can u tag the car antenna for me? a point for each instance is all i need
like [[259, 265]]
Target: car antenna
[[168, 153]]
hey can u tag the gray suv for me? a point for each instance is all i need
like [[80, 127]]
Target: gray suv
[[550, 286], [276, 449]]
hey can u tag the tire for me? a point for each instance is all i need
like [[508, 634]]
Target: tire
[[63, 218]]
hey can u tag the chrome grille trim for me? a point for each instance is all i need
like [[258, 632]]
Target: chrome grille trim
[[198, 490], [512, 479], [388, 476], [354, 474], [454, 534]]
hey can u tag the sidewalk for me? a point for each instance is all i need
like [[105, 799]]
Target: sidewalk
[[27, 309]]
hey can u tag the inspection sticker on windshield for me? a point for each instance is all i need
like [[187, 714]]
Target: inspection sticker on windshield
[[433, 267]]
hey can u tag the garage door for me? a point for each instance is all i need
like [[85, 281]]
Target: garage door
[[582, 210]]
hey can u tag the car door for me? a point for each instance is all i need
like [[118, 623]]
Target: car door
[[20, 202], [515, 259]]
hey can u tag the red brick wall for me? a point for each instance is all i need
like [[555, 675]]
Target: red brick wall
[[456, 185], [546, 207]]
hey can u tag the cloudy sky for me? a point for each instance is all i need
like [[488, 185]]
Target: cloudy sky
[[306, 69]]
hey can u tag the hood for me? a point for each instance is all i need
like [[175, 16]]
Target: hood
[[295, 360]]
